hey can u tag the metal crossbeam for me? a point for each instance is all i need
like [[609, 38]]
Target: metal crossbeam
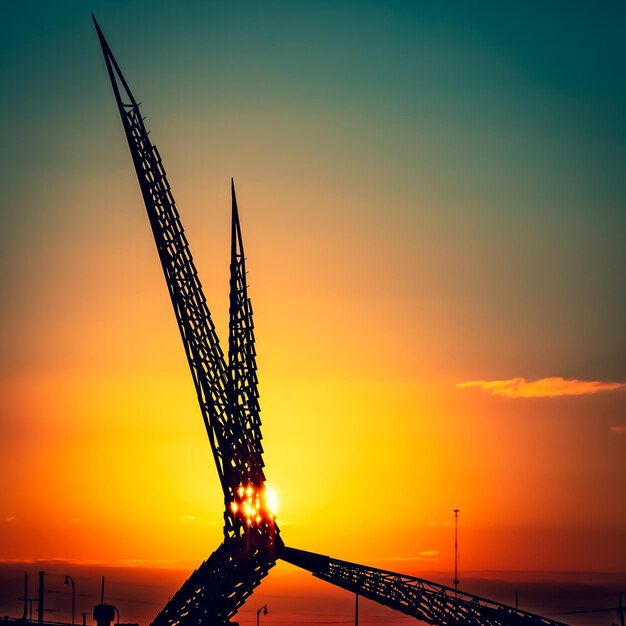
[[422, 599]]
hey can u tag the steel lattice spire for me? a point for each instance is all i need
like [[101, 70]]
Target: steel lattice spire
[[227, 393], [228, 398]]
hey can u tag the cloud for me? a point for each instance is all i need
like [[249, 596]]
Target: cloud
[[429, 554], [618, 429], [543, 388], [165, 563], [424, 555]]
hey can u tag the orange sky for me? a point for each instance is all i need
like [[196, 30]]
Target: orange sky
[[368, 448], [439, 322]]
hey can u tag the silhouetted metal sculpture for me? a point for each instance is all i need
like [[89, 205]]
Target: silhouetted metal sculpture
[[228, 398]]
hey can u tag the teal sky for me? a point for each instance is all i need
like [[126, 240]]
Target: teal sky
[[431, 194], [490, 138]]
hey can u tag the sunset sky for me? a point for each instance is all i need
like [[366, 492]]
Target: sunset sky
[[433, 204]]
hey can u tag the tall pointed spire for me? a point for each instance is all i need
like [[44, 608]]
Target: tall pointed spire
[[242, 376], [115, 74], [205, 357]]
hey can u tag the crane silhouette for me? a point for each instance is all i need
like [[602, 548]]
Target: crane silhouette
[[228, 398]]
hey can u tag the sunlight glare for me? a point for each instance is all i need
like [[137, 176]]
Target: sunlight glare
[[271, 500]]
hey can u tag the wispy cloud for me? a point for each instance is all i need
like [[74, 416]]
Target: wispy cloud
[[166, 563], [618, 429], [425, 555], [544, 387]]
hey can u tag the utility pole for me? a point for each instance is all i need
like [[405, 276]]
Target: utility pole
[[356, 610], [456, 549], [28, 602], [40, 596], [25, 595], [70, 581]]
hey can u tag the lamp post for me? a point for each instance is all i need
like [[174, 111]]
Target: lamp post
[[258, 613], [69, 580]]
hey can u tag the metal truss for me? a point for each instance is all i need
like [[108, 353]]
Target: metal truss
[[422, 599], [219, 587], [228, 398], [242, 385], [227, 393]]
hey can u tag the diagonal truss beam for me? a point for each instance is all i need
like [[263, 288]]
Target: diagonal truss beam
[[205, 357], [227, 394], [422, 599], [214, 593]]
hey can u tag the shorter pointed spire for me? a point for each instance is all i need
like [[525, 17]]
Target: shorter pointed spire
[[236, 238], [233, 196]]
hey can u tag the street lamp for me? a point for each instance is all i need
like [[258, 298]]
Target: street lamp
[[258, 613], [70, 580]]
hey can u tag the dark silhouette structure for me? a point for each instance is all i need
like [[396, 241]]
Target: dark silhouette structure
[[228, 398]]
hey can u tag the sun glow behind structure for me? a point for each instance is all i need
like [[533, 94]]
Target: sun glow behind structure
[[255, 505], [393, 221]]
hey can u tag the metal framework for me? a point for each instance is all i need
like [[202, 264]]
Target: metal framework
[[227, 392], [228, 398], [422, 599]]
